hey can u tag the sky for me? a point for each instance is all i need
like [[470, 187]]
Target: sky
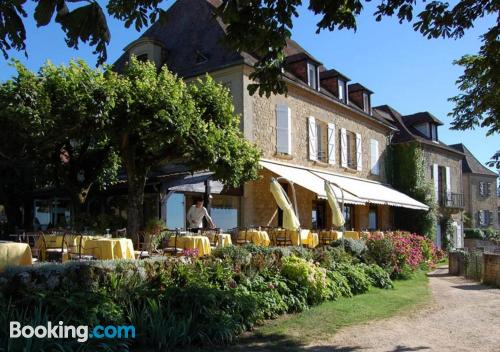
[[402, 68]]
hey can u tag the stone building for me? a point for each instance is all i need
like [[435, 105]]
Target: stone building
[[324, 129], [443, 166], [480, 191]]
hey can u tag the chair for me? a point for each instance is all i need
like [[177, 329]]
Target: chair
[[54, 253], [282, 238], [31, 238], [119, 233], [212, 235], [326, 237], [169, 249], [75, 250], [245, 239], [143, 245]]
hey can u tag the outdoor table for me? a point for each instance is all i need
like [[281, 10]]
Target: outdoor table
[[201, 243], [352, 234], [259, 238], [14, 253], [55, 241], [109, 248], [364, 234], [330, 235], [307, 237], [224, 240]]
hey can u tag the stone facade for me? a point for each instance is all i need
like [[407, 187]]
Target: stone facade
[[491, 274], [474, 202]]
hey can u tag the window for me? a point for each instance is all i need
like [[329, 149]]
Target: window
[[283, 129], [372, 218], [349, 217], [374, 157], [312, 76], [225, 211], [484, 217], [434, 133], [319, 214], [342, 90], [200, 57], [350, 149], [366, 102], [321, 141], [142, 57], [484, 189]]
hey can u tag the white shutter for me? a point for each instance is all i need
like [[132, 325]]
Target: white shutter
[[374, 157], [359, 153], [313, 140], [283, 129], [435, 177], [448, 183], [343, 147], [331, 143]]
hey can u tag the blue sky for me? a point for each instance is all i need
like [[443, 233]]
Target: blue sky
[[404, 69]]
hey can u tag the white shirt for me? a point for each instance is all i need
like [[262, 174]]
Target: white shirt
[[195, 216]]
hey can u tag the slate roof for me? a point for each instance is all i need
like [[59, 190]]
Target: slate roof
[[421, 117], [405, 132], [469, 162]]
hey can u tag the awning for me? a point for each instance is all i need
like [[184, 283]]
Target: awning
[[356, 190], [305, 178], [371, 191]]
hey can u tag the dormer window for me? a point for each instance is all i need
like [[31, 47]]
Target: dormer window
[[312, 76], [142, 57], [342, 95], [200, 57], [366, 103], [434, 132], [147, 49]]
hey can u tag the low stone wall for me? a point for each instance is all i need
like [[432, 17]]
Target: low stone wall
[[486, 245], [491, 275], [476, 265]]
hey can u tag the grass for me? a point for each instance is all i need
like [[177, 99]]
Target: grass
[[293, 332]]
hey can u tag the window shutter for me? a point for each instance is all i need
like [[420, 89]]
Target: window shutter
[[313, 140], [374, 157], [359, 153], [490, 217], [448, 182], [488, 189], [435, 176], [283, 129], [481, 188], [343, 147], [331, 143]]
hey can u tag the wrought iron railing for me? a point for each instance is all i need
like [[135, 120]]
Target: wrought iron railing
[[451, 200]]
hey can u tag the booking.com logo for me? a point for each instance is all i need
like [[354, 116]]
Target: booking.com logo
[[81, 333]]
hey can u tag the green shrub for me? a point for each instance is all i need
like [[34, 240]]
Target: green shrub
[[355, 275], [339, 285], [308, 275], [378, 277], [491, 234], [356, 248], [474, 234], [381, 252]]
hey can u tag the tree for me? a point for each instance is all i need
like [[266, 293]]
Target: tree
[[53, 130], [158, 119]]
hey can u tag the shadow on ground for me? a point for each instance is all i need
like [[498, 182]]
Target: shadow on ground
[[282, 343], [473, 287]]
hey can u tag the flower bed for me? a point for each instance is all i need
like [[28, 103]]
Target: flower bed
[[187, 301]]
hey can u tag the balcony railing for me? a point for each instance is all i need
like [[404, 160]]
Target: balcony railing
[[451, 200]]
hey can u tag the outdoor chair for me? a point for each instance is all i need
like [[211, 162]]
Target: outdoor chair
[[54, 253], [325, 237], [119, 233], [31, 238], [143, 248], [170, 247], [212, 235], [282, 238], [245, 239], [75, 250]]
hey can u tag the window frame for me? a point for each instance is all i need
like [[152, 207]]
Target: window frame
[[366, 102], [341, 84], [313, 83]]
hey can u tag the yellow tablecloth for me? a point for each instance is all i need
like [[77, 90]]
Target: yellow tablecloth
[[14, 253], [223, 240], [55, 241], [352, 234], [330, 235], [201, 243], [109, 248], [307, 237], [259, 238]]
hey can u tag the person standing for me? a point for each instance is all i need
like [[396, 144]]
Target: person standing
[[196, 214]]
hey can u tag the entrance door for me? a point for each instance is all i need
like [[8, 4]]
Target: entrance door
[[319, 214], [176, 214]]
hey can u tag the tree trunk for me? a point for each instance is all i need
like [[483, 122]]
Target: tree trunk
[[136, 184]]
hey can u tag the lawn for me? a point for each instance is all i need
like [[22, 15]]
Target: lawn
[[292, 332]]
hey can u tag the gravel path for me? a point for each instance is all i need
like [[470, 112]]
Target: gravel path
[[464, 316]]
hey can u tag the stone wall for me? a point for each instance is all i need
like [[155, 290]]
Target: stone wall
[[491, 274], [474, 202], [435, 155], [261, 119]]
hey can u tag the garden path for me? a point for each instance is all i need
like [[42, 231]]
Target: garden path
[[463, 316]]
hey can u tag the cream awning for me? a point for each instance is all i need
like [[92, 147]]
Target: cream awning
[[371, 191], [305, 178]]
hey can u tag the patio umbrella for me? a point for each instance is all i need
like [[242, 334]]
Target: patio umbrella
[[337, 217], [290, 220]]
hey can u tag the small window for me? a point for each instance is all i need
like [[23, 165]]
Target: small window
[[366, 102], [342, 90], [372, 218], [312, 75], [200, 57], [142, 57]]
